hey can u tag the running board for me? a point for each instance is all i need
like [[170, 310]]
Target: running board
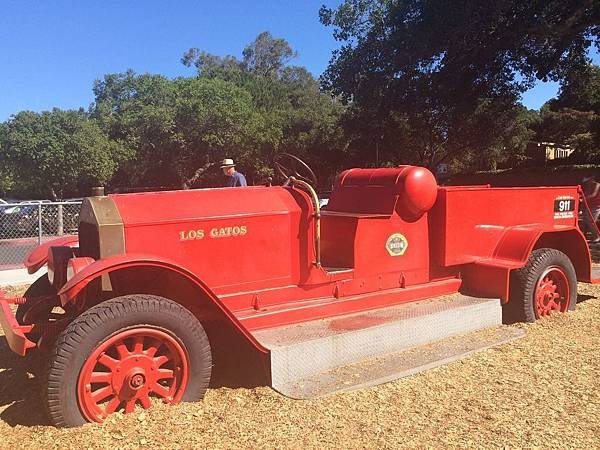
[[306, 357], [393, 366]]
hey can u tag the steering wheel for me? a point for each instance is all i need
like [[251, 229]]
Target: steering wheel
[[291, 166]]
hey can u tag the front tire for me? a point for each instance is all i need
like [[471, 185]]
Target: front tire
[[121, 353], [546, 284]]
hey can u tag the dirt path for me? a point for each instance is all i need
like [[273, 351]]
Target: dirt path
[[540, 391]]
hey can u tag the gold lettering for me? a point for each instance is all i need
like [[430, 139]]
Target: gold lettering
[[191, 235], [238, 230]]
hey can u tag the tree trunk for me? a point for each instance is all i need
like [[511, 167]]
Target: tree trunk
[[188, 183]]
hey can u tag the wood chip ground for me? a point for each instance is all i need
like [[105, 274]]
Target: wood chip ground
[[542, 391]]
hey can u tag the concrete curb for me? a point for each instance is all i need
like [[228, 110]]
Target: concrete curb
[[19, 276]]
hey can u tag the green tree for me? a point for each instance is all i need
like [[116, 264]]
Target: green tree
[[573, 118], [7, 178], [296, 116], [435, 80], [265, 56], [57, 153], [178, 128]]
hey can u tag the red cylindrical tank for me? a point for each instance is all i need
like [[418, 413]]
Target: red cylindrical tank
[[410, 190], [418, 192]]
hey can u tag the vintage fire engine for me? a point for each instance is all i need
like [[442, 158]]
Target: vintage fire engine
[[137, 306]]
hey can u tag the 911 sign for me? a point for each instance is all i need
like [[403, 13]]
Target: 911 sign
[[564, 207]]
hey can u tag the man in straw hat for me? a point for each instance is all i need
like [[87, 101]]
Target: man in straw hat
[[234, 178]]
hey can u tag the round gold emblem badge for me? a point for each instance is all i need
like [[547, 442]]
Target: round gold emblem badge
[[396, 244]]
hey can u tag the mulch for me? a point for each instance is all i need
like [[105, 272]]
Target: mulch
[[540, 391]]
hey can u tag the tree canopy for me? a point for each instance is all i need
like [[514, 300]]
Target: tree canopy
[[573, 117], [297, 116], [246, 109], [57, 153], [176, 128], [435, 79], [414, 81]]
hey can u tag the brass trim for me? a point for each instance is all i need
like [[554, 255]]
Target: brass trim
[[102, 212], [315, 199]]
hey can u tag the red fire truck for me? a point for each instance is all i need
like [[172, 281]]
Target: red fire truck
[[137, 305]]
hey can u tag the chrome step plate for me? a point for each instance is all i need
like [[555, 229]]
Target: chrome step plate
[[393, 366], [302, 351]]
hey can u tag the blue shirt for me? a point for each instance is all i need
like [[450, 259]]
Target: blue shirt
[[236, 180]]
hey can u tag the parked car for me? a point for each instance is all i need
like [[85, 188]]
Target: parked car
[[22, 220], [19, 221]]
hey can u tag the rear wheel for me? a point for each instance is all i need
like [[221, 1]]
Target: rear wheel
[[124, 352], [547, 283]]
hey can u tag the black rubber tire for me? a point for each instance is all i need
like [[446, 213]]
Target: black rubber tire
[[523, 282], [40, 288], [99, 323]]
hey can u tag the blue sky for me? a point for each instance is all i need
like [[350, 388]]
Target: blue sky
[[51, 52]]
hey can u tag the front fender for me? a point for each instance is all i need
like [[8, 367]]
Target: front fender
[[39, 255], [113, 263]]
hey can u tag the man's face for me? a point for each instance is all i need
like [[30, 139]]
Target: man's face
[[228, 171]]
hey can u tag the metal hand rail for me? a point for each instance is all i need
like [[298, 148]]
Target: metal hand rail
[[317, 215]]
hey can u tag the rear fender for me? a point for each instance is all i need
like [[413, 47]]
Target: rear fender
[[573, 244], [39, 255], [113, 264], [518, 243], [491, 277]]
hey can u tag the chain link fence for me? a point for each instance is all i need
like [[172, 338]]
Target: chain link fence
[[23, 226]]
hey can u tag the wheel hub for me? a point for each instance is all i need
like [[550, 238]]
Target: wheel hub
[[137, 381], [552, 292], [129, 368]]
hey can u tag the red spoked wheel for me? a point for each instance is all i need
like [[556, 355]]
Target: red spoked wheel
[[547, 283], [123, 352], [552, 292], [129, 368]]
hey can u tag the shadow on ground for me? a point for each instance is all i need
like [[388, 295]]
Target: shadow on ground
[[20, 389], [584, 297], [21, 400], [242, 365]]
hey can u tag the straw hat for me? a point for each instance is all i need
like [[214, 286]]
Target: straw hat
[[227, 162]]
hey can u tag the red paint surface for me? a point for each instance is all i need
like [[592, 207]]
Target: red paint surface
[[254, 249], [473, 221], [14, 333], [39, 255], [227, 238]]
